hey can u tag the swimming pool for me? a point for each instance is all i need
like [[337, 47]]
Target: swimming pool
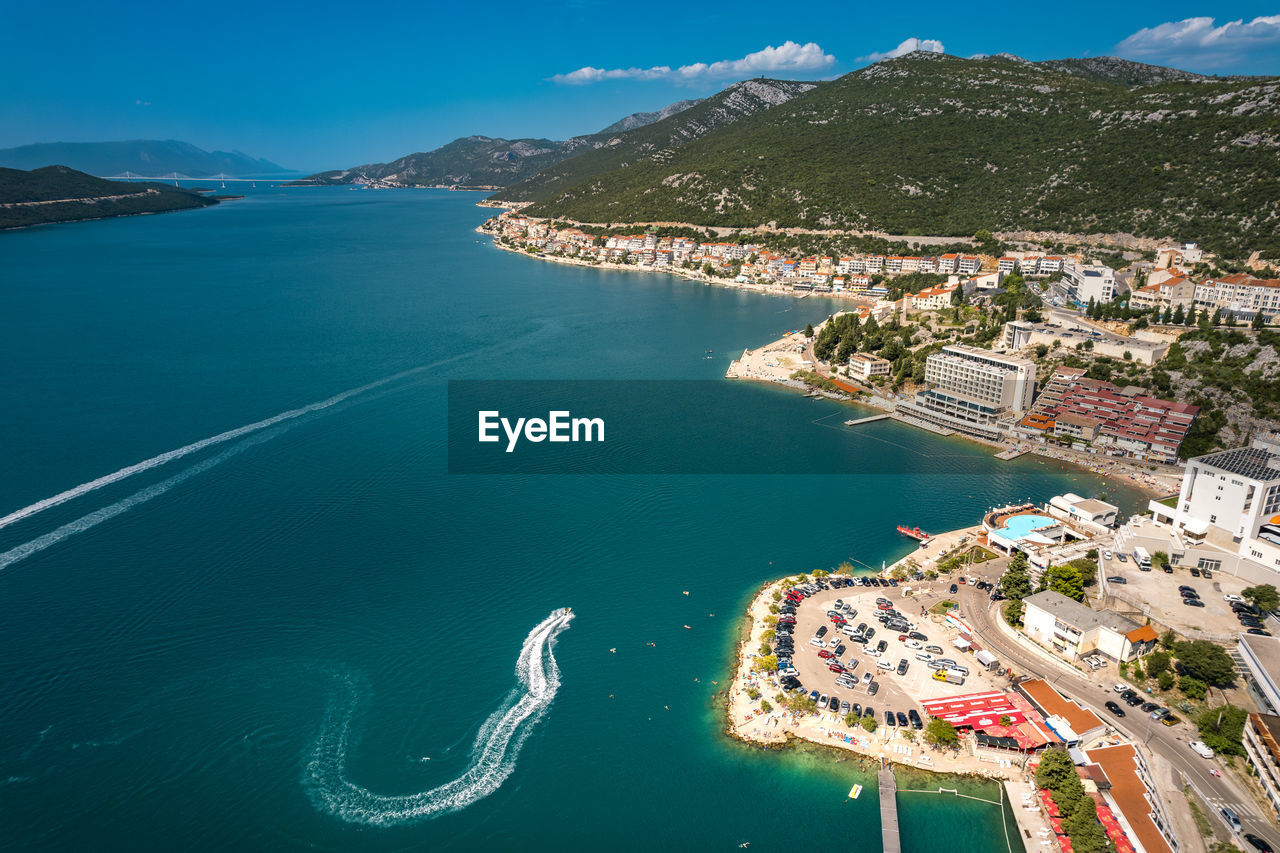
[[1020, 527]]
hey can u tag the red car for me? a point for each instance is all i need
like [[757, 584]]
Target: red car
[[839, 620], [884, 607], [826, 653], [902, 638], [835, 667]]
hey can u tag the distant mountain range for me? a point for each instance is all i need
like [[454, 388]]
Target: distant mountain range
[[59, 194], [145, 157], [934, 144], [488, 163]]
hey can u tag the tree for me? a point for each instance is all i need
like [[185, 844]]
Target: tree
[[1167, 639], [1042, 350], [768, 663], [1157, 663], [1013, 613], [1264, 597], [1223, 729], [1086, 834], [1064, 579], [940, 733], [1159, 558], [1193, 687], [1006, 720], [1015, 583], [1165, 680], [1055, 768], [1259, 322], [851, 719], [1179, 315], [765, 706], [869, 723], [1205, 661]]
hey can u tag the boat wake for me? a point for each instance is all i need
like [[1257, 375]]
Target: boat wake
[[493, 756], [195, 447]]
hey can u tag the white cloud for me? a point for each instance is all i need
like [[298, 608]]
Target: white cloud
[[787, 57], [908, 46], [1196, 41]]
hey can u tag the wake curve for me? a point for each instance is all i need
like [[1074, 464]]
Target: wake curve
[[493, 756], [195, 447]]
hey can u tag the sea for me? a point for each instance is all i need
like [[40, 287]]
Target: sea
[[248, 606]]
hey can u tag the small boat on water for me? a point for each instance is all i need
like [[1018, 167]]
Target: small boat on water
[[855, 792], [914, 532]]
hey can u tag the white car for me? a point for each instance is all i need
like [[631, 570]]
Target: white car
[[1106, 555], [1201, 749], [1119, 688], [1232, 598], [816, 642], [884, 664], [914, 644]]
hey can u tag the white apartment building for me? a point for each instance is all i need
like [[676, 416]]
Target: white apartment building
[[1089, 282], [1242, 295], [1073, 630], [864, 366], [971, 390]]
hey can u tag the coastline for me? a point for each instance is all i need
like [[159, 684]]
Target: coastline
[[689, 275], [745, 722], [776, 361]]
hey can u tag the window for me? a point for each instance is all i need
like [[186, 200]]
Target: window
[[1213, 519], [1211, 565]]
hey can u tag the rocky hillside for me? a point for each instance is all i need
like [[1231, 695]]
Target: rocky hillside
[[636, 120], [485, 162], [658, 141], [146, 157], [934, 144]]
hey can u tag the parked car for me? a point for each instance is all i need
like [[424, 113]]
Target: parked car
[[937, 650], [873, 688], [1119, 688], [890, 719], [884, 664], [914, 716], [866, 677], [835, 667], [1115, 709], [826, 653], [902, 667], [1193, 602], [1106, 555], [954, 589], [902, 720], [821, 632], [1122, 558], [916, 635], [834, 703], [1116, 579], [1234, 599], [1201, 748], [1195, 573]]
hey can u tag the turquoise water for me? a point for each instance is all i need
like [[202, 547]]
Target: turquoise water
[[1020, 526], [254, 645]]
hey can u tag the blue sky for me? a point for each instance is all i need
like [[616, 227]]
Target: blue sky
[[325, 85]]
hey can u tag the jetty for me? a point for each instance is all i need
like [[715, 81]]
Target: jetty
[[1011, 453], [889, 810], [866, 420]]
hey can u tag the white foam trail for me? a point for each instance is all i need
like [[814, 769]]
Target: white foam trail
[[493, 757], [195, 447], [93, 519]]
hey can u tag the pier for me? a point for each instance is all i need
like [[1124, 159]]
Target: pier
[[1011, 453], [889, 810], [866, 420]]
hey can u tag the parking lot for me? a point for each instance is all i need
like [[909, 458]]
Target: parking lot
[[1159, 592], [897, 693]]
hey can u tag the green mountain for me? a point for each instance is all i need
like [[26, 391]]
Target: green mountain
[[146, 157], [658, 140], [60, 194], [934, 144], [483, 162]]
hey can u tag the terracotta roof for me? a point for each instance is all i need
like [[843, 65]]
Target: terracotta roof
[[1080, 719], [1145, 634], [1130, 794]]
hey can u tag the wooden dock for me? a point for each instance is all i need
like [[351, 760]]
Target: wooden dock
[[889, 810]]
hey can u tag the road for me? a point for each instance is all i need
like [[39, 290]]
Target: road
[[1169, 742]]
